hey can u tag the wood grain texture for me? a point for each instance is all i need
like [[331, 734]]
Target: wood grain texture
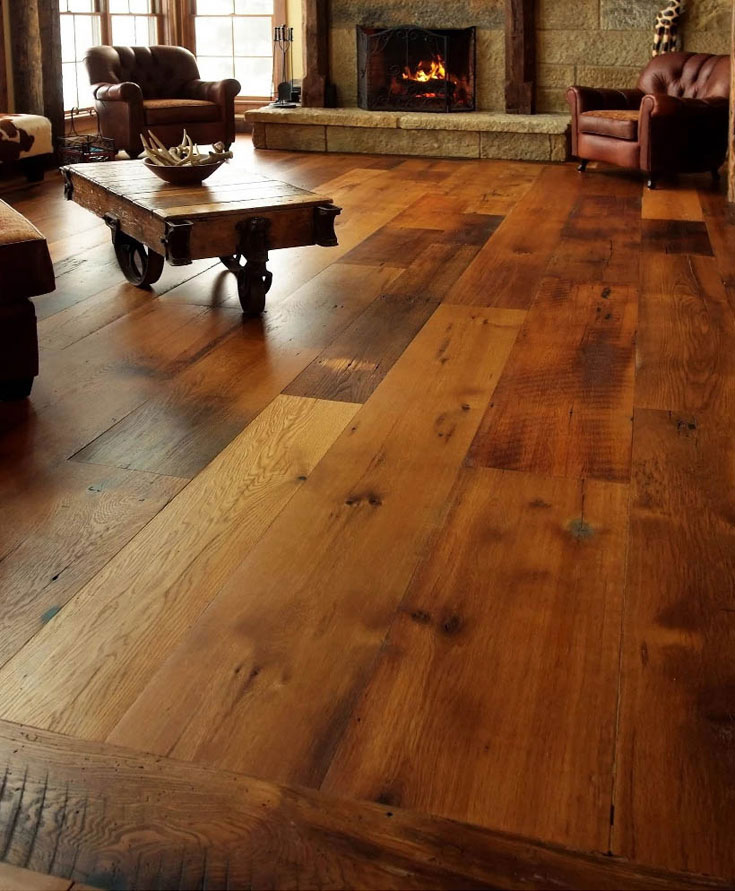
[[15, 878], [601, 241], [509, 268], [676, 237], [185, 826], [675, 765], [59, 530], [564, 404], [671, 204], [123, 622], [522, 592], [288, 666], [685, 360], [719, 217], [184, 426]]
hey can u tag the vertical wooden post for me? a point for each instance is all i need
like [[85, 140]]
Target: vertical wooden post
[[51, 73], [26, 55], [520, 57], [316, 53], [35, 39], [4, 93], [731, 134]]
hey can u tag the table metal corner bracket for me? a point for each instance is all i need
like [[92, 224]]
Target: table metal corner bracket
[[176, 241], [324, 217], [112, 221]]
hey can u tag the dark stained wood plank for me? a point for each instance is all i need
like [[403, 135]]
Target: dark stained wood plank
[[434, 271], [509, 269], [353, 365], [187, 826], [601, 241], [676, 237], [523, 593], [675, 765], [686, 333], [448, 216], [563, 406], [392, 246]]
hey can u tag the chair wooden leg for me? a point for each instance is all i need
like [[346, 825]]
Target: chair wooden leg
[[583, 165]]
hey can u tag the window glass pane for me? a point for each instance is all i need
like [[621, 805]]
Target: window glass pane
[[85, 34], [254, 7], [215, 7], [211, 68], [123, 30], [68, 53], [253, 37], [84, 88], [255, 76], [145, 30], [118, 6], [214, 36], [140, 6], [69, 74], [81, 5]]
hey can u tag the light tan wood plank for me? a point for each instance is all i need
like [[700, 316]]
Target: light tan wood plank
[[132, 612], [59, 528], [308, 610], [15, 878], [673, 203]]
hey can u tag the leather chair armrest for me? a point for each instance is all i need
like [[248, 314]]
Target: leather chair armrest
[[220, 91], [673, 130], [124, 92], [663, 105], [583, 99]]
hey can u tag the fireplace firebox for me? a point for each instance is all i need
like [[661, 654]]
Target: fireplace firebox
[[414, 69]]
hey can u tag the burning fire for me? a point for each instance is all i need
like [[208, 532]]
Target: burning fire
[[435, 69], [440, 84]]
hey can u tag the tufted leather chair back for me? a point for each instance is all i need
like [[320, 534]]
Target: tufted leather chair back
[[687, 76], [162, 72]]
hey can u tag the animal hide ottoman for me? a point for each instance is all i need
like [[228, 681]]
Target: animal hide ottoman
[[26, 138]]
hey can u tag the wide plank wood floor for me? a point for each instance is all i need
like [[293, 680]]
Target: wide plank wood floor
[[448, 535]]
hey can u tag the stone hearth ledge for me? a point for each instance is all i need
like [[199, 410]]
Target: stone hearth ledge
[[480, 134]]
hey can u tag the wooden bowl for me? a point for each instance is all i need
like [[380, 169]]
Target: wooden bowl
[[184, 176]]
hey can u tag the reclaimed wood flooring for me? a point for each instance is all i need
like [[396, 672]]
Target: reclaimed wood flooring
[[424, 579]]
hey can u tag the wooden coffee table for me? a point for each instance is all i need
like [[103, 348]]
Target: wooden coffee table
[[235, 215]]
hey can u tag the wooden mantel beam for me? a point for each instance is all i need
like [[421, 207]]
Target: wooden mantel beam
[[316, 53], [520, 57]]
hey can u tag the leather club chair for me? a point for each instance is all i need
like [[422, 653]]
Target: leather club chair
[[139, 88], [675, 121]]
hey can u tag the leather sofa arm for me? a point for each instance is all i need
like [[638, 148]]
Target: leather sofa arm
[[583, 99], [221, 91], [662, 105], [124, 92], [675, 134]]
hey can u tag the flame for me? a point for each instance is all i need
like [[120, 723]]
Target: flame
[[434, 69]]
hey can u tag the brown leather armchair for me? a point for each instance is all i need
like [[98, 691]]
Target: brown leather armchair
[[675, 121], [138, 88]]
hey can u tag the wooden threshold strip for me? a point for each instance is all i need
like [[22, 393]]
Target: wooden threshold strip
[[110, 817]]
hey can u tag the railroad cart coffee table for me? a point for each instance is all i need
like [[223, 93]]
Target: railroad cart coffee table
[[236, 215]]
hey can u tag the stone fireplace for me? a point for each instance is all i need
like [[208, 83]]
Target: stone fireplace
[[416, 69], [527, 51]]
